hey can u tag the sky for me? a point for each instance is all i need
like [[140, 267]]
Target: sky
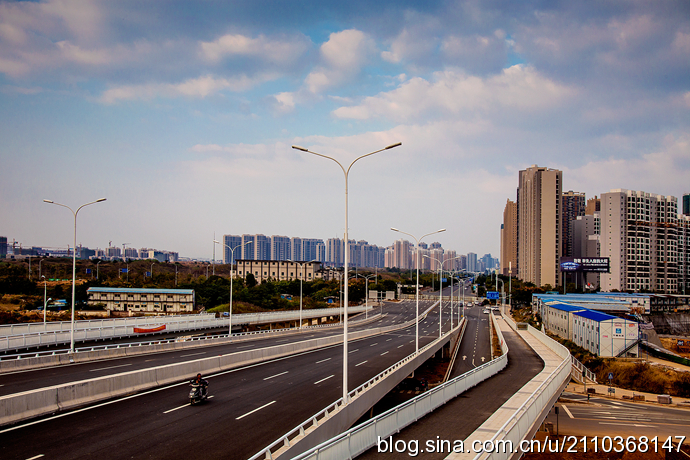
[[183, 113]]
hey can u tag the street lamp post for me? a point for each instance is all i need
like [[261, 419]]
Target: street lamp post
[[366, 293], [301, 264], [97, 268], [346, 172], [45, 301], [74, 263], [232, 259], [417, 240], [440, 289]]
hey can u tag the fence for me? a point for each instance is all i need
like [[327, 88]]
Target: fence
[[54, 333]]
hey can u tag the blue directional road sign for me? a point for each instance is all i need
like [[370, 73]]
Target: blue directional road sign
[[492, 295]]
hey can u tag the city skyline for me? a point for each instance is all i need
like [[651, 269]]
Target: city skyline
[[183, 116]]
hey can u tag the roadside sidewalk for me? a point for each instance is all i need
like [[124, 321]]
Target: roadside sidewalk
[[603, 392]]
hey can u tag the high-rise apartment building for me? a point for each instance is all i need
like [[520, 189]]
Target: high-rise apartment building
[[540, 226], [335, 252], [234, 242], [684, 253], [3, 247], [593, 205], [472, 262], [686, 204], [312, 249], [586, 232], [281, 248], [639, 233], [296, 249], [573, 205], [401, 257], [508, 257]]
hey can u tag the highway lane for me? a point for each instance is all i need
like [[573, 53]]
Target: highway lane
[[250, 408], [19, 381], [475, 348], [458, 418]]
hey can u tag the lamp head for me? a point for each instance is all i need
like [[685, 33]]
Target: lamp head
[[297, 147], [48, 201], [100, 199], [395, 229], [393, 146]]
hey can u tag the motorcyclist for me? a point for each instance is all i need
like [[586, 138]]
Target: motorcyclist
[[203, 384]]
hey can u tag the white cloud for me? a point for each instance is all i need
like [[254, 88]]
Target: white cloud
[[200, 87], [664, 171], [452, 92], [342, 58], [283, 50]]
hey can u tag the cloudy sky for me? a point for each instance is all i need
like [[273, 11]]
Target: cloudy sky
[[182, 114]]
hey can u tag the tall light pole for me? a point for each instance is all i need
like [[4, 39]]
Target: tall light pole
[[232, 259], [97, 268], [440, 290], [346, 172], [45, 301], [301, 264], [74, 263], [366, 293], [417, 240]]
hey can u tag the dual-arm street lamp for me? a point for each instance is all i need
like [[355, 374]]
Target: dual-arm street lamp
[[232, 259], [417, 240], [346, 172], [74, 263], [366, 292], [440, 291], [301, 264]]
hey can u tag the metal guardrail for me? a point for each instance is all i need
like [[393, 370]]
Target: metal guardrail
[[240, 335], [357, 440], [55, 333]]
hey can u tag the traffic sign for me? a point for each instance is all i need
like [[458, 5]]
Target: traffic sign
[[492, 295]]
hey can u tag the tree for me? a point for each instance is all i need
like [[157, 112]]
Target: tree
[[250, 280]]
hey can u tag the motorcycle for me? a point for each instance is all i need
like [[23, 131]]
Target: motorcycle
[[197, 393]]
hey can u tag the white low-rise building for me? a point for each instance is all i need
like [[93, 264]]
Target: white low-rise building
[[605, 335]]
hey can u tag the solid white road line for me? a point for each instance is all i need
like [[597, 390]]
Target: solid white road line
[[282, 373], [111, 367], [180, 407], [193, 354], [255, 410], [323, 380], [567, 411], [322, 361], [360, 363]]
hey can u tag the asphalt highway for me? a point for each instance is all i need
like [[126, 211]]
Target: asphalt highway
[[250, 407], [475, 348], [10, 383]]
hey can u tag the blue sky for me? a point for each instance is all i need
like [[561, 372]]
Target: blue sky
[[182, 114]]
